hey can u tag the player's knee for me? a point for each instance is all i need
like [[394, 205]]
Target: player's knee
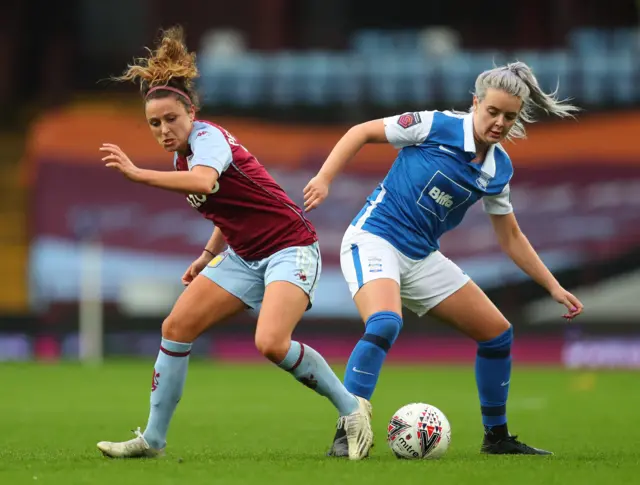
[[495, 330], [173, 330], [273, 346], [382, 329], [498, 346]]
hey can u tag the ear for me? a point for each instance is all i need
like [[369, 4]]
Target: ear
[[475, 103], [192, 113]]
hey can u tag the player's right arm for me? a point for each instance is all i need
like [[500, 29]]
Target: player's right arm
[[400, 131]]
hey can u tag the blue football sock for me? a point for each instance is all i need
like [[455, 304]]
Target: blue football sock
[[310, 368], [493, 375], [365, 363], [169, 375]]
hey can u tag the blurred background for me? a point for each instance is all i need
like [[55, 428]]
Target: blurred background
[[86, 256]]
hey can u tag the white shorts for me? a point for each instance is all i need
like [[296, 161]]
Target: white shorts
[[423, 283]]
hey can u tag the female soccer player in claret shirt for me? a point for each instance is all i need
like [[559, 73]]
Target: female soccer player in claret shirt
[[272, 257]]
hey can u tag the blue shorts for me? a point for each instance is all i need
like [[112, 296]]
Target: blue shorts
[[247, 280]]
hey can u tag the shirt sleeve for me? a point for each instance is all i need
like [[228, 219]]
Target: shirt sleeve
[[498, 204], [408, 128], [211, 149]]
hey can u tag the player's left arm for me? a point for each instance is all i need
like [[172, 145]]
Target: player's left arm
[[200, 180], [517, 246]]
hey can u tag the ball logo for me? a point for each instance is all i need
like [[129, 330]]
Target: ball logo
[[396, 427], [408, 448], [429, 431]]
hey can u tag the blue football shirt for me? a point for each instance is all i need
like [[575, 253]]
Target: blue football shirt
[[433, 182]]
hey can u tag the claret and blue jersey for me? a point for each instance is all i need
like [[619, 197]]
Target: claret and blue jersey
[[433, 181]]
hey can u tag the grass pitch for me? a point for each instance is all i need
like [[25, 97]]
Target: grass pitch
[[255, 424]]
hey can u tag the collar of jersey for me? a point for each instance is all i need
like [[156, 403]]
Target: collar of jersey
[[489, 164]]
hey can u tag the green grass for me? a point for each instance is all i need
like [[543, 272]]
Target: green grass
[[255, 424]]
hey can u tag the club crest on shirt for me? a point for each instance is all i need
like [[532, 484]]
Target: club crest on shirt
[[408, 120], [217, 260], [483, 180]]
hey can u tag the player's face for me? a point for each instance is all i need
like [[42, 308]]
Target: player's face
[[495, 115], [170, 122]]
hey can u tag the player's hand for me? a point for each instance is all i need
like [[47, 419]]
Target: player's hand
[[574, 305], [315, 192], [117, 159], [194, 269]]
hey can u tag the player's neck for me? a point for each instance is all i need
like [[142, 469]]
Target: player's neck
[[184, 152], [481, 150]]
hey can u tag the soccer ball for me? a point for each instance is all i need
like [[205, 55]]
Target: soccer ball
[[419, 431]]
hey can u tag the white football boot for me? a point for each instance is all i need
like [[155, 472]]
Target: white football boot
[[134, 448], [357, 426]]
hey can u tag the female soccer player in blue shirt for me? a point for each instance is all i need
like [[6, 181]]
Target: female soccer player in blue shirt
[[390, 255]]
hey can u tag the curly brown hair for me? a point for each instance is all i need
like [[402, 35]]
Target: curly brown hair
[[170, 64]]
